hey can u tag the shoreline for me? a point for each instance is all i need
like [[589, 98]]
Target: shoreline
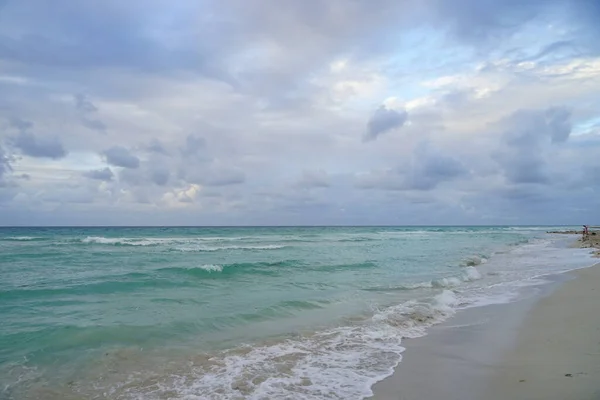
[[510, 350], [557, 354]]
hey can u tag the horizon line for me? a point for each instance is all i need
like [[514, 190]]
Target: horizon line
[[284, 226]]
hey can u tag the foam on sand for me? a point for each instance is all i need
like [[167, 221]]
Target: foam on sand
[[337, 363]]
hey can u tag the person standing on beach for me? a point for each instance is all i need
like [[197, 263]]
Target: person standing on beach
[[585, 231]]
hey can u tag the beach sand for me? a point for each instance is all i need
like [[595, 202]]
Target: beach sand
[[546, 346], [557, 354]]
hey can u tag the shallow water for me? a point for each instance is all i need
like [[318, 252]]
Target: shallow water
[[229, 313]]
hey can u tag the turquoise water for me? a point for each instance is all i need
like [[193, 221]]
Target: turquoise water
[[241, 312]]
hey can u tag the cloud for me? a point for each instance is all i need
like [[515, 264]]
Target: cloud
[[485, 23], [160, 176], [4, 163], [426, 168], [87, 108], [19, 124], [34, 146], [384, 120], [532, 128], [83, 104], [430, 167], [527, 138], [94, 124], [217, 176], [156, 146], [249, 112], [121, 157], [194, 145], [314, 179], [104, 174], [132, 178]]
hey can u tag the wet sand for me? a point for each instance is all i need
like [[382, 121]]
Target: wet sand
[[546, 346]]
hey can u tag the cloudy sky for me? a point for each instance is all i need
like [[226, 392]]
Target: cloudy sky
[[246, 112]]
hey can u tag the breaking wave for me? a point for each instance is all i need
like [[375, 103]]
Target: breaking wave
[[473, 261], [337, 363], [176, 244], [23, 238], [469, 274]]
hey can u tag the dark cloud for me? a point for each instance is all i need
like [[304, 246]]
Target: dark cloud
[[86, 108], [532, 128], [104, 174], [204, 36], [4, 163], [156, 146], [94, 124], [430, 168], [384, 120], [83, 104], [160, 176], [526, 137], [34, 146], [525, 167], [19, 124], [133, 177], [84, 36], [194, 146], [121, 157], [486, 23], [480, 21]]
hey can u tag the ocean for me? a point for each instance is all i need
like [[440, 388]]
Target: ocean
[[244, 313]]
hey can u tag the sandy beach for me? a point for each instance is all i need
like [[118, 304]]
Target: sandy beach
[[544, 346], [557, 354]]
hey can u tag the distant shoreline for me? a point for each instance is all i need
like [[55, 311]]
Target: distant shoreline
[[281, 226]]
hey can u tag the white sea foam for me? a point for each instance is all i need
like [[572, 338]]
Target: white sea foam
[[178, 244], [474, 261], [338, 363], [211, 267], [471, 274], [446, 282], [24, 238], [220, 248], [104, 240], [419, 285]]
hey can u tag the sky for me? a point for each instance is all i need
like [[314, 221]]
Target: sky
[[312, 112]]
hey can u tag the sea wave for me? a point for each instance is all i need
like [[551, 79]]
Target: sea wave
[[337, 363], [23, 238], [469, 274], [176, 244], [220, 248], [222, 271], [473, 261], [123, 241], [211, 267]]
